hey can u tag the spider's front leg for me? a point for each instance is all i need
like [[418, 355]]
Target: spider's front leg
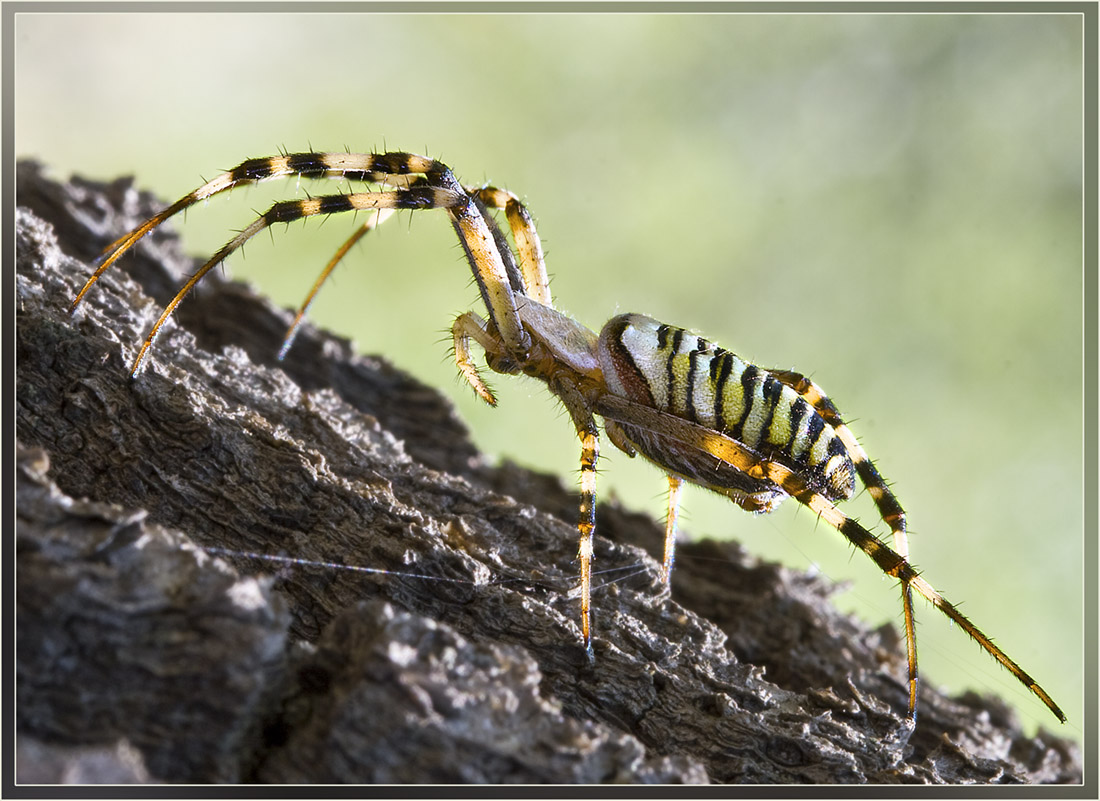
[[529, 278], [416, 183]]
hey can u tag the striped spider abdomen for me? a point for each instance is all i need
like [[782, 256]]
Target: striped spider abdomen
[[676, 371]]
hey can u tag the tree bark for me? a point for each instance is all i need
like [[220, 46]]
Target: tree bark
[[145, 626]]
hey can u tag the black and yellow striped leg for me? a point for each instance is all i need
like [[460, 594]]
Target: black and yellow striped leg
[[586, 526], [887, 503], [469, 326], [589, 435], [751, 463], [291, 210], [895, 565], [391, 168], [419, 183], [494, 269], [531, 260], [910, 644], [528, 245]]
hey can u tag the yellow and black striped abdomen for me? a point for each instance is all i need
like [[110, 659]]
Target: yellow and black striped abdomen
[[676, 371]]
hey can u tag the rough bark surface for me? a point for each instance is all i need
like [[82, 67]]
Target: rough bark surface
[[141, 646]]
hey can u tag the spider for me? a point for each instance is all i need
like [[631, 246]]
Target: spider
[[695, 410]]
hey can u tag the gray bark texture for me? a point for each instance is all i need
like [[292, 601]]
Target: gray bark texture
[[146, 654]]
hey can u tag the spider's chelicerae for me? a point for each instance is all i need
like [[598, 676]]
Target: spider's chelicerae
[[697, 411]]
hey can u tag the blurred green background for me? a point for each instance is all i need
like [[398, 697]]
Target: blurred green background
[[889, 203]]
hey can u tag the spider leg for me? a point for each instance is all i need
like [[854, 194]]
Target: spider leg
[[469, 326], [500, 358], [533, 276], [385, 168], [589, 434], [494, 268], [379, 217], [493, 265], [745, 459], [373, 221], [528, 245], [113, 251], [888, 505], [289, 210], [895, 565], [759, 502], [675, 487]]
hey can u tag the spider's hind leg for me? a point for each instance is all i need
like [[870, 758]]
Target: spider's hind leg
[[889, 507]]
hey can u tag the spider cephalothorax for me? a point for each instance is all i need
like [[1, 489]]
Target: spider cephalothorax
[[695, 410]]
